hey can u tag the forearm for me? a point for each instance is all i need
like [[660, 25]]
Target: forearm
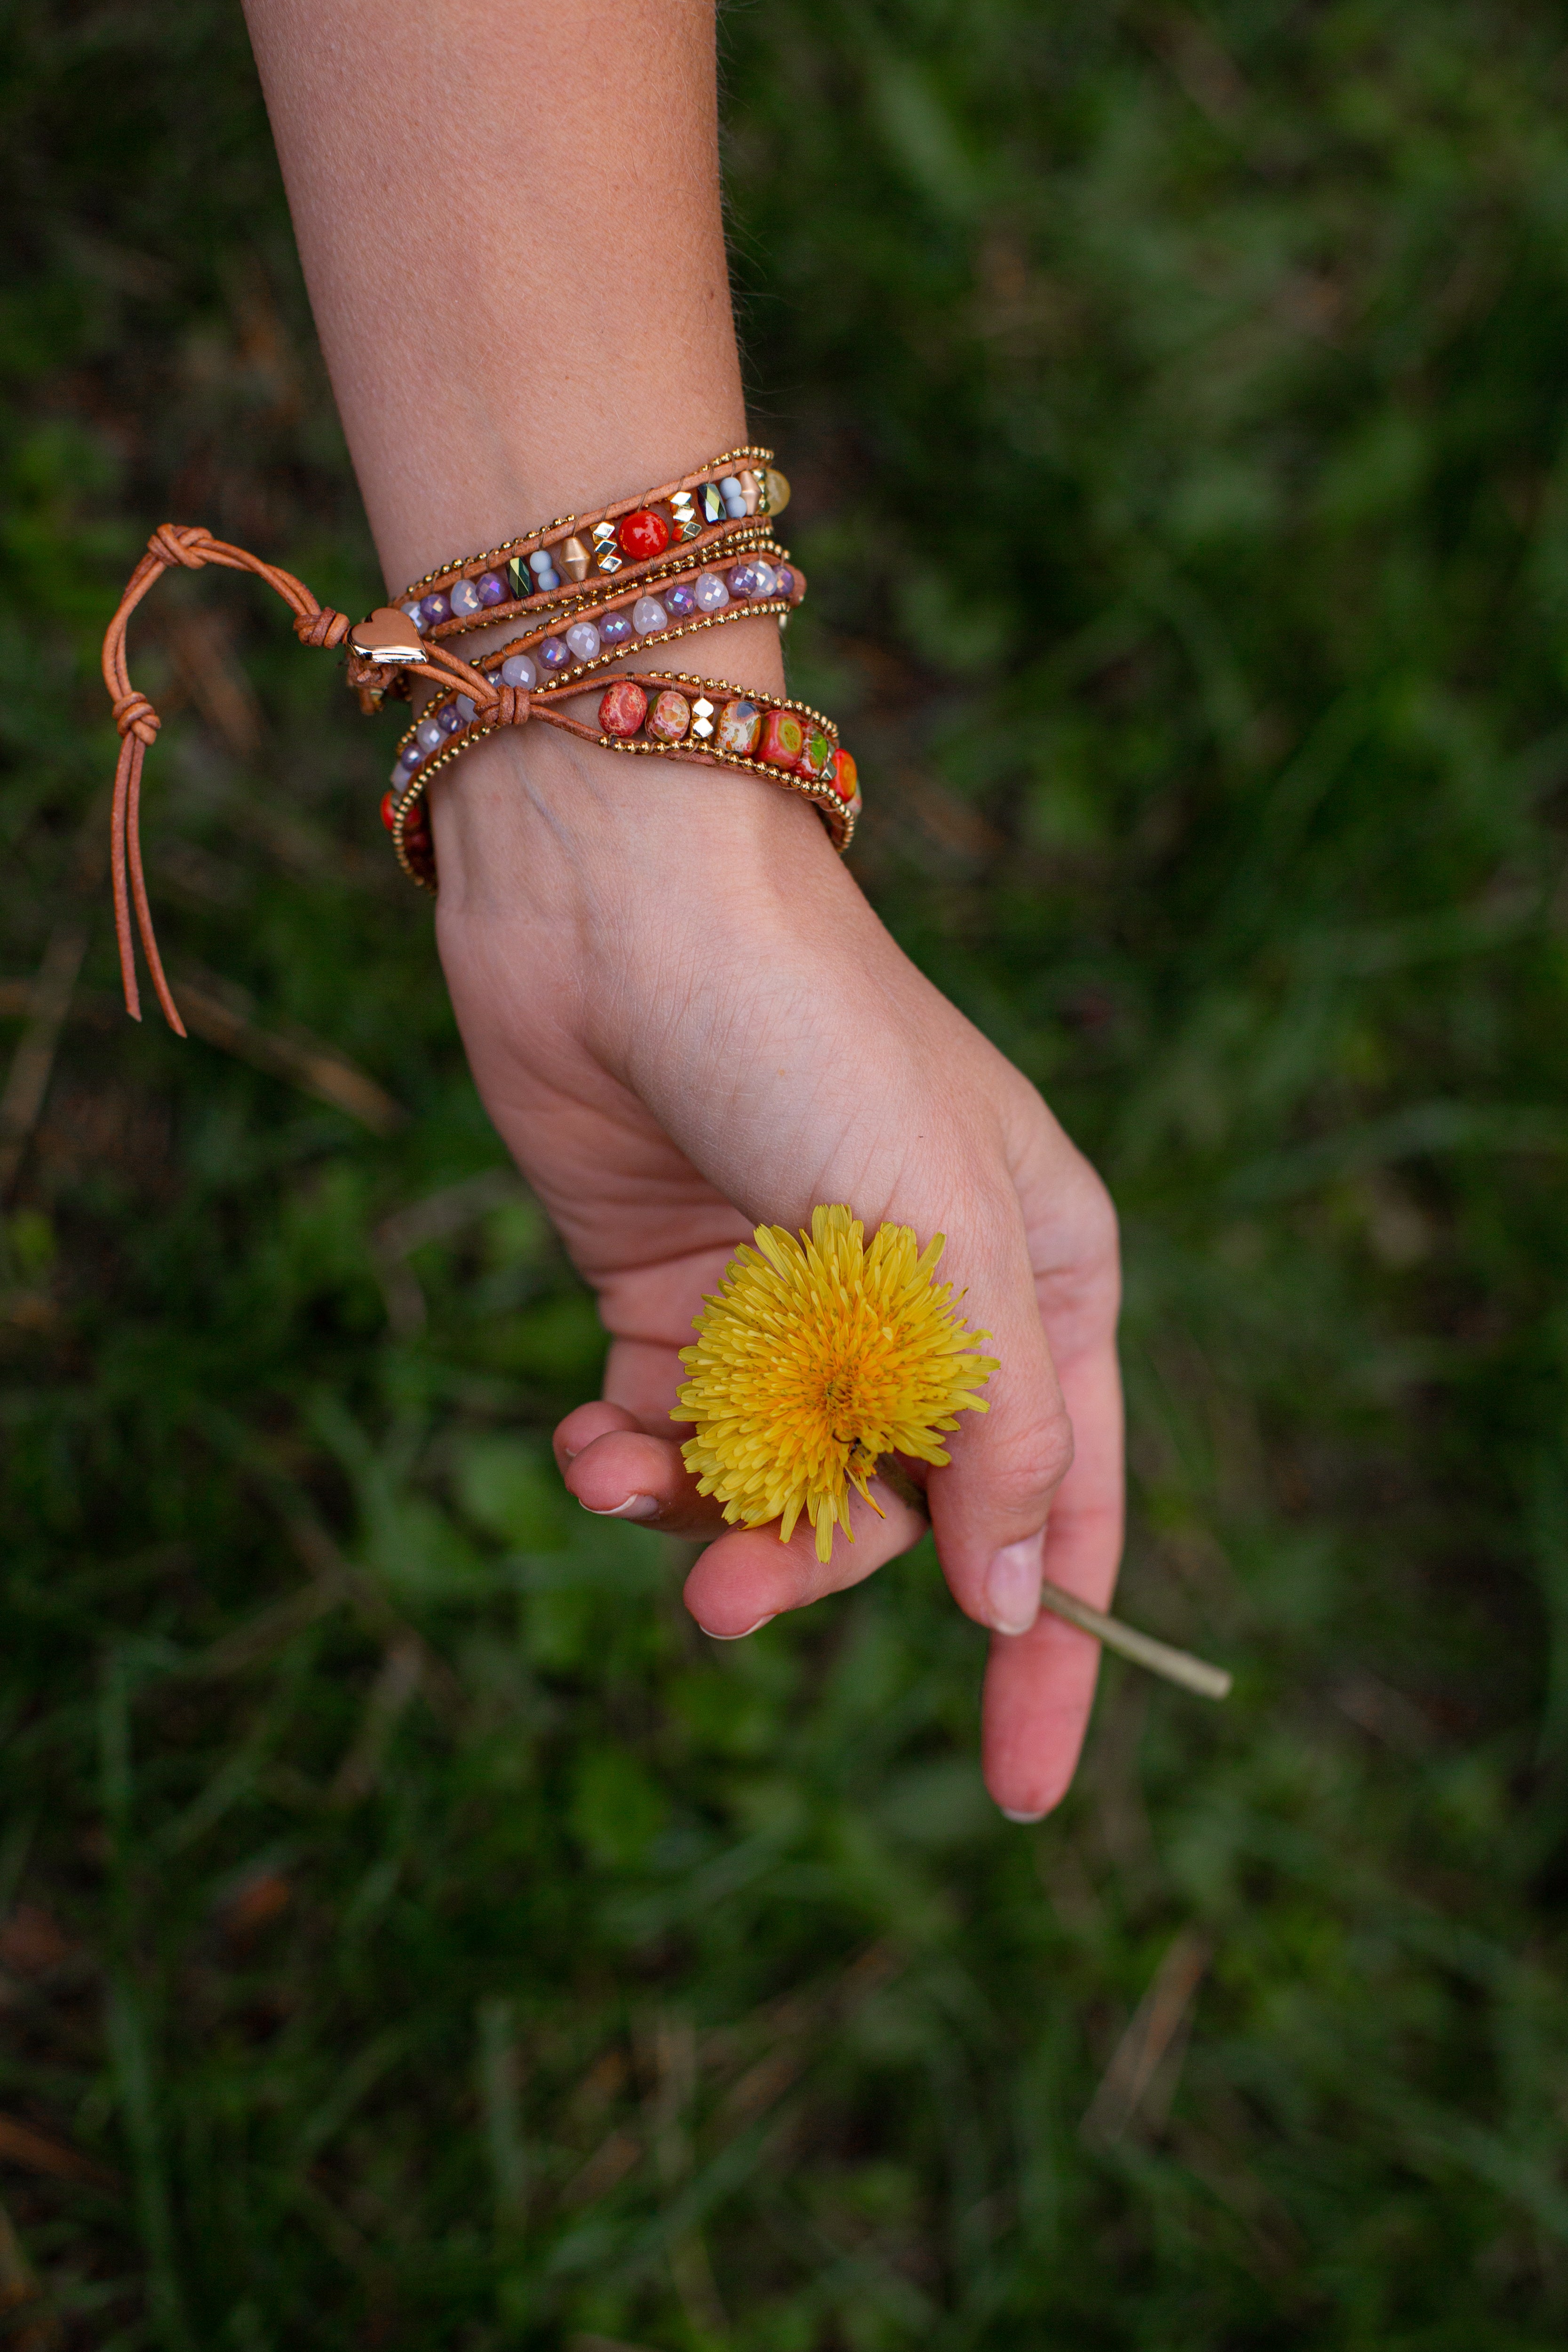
[[509, 219]]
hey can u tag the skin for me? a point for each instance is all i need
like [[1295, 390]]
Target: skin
[[681, 1013]]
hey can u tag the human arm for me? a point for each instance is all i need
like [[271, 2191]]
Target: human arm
[[682, 1014]]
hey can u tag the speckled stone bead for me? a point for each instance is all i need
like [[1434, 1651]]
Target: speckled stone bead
[[784, 739], [583, 639], [740, 724], [428, 735], [623, 707], [492, 588], [671, 717], [518, 669], [389, 802], [817, 753], [711, 592], [434, 611], [616, 629], [845, 776], [648, 614], [553, 654], [681, 601], [643, 534], [463, 597]]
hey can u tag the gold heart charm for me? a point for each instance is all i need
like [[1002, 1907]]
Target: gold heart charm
[[387, 635]]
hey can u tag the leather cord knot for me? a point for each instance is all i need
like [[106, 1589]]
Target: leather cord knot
[[323, 628], [186, 544], [134, 714], [512, 705]]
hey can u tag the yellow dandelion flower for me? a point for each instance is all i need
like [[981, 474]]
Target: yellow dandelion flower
[[816, 1357]]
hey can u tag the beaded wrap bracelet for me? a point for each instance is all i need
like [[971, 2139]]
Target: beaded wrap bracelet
[[789, 743], [674, 715], [704, 512], [684, 605]]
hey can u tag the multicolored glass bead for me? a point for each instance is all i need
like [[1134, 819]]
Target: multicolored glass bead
[[740, 724], [784, 739], [671, 717]]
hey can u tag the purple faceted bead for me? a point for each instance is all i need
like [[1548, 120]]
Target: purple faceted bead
[[615, 629], [744, 580], [430, 736], [519, 670], [711, 593], [492, 588], [434, 610], [783, 581], [448, 718], [681, 601], [463, 597], [553, 654]]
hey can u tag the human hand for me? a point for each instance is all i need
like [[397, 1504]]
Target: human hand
[[686, 1020]]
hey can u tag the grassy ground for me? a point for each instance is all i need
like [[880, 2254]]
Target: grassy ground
[[411, 1933]]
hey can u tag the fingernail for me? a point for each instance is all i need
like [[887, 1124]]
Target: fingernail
[[1009, 1815], [635, 1507], [757, 1628], [1013, 1584]]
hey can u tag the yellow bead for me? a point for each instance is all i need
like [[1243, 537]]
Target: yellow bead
[[778, 489]]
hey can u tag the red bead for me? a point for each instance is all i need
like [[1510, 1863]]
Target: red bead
[[389, 810], [623, 708], [846, 775], [784, 739], [644, 534]]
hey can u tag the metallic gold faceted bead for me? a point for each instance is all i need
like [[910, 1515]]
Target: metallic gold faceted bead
[[607, 556], [777, 488], [572, 555]]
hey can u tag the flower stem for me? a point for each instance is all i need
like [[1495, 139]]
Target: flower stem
[[1159, 1657]]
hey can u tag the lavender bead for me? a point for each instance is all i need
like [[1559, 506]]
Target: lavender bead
[[434, 610], [583, 639], [783, 581], [463, 597], [615, 629], [518, 670], [744, 580], [711, 592], [428, 735], [767, 578], [447, 719], [407, 763], [464, 707], [413, 610], [492, 588], [551, 655], [681, 601], [648, 614]]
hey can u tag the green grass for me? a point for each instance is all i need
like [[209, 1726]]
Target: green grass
[[420, 1936]]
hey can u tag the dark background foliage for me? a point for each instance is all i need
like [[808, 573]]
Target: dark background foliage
[[410, 1932]]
